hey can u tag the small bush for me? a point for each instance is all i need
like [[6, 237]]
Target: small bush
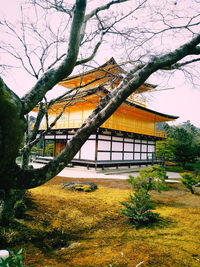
[[19, 209], [20, 205], [151, 178], [139, 208], [189, 180]]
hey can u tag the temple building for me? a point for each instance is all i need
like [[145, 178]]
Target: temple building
[[128, 137]]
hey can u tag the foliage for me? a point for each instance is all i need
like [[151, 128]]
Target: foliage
[[164, 150], [37, 150], [49, 149], [14, 260], [139, 208], [151, 178], [190, 128], [20, 205], [196, 167], [189, 180], [182, 144], [174, 168]]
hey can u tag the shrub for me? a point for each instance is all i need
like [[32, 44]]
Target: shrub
[[151, 178], [20, 205], [19, 209], [195, 167], [188, 181], [139, 208]]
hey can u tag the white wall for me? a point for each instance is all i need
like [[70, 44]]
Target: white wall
[[103, 156], [88, 150]]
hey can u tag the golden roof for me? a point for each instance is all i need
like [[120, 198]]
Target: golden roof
[[109, 76]]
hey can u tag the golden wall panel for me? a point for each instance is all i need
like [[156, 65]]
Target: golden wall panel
[[126, 118]]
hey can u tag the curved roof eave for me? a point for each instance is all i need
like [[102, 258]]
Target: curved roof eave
[[170, 117]]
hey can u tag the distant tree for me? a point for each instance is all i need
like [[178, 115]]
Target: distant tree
[[182, 144], [196, 167], [188, 126], [49, 149], [164, 150]]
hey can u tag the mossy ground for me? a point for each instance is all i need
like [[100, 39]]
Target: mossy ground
[[59, 218]]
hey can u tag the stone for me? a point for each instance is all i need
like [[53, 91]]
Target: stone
[[196, 188], [86, 187], [73, 245]]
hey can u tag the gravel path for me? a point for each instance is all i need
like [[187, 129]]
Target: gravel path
[[83, 172]]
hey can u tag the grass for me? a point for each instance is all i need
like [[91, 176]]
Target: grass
[[99, 234]]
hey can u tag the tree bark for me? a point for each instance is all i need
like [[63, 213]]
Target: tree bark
[[12, 128], [7, 200], [53, 76]]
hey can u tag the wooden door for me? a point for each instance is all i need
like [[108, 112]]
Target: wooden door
[[60, 145]]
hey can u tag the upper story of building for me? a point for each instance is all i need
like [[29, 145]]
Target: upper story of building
[[87, 89]]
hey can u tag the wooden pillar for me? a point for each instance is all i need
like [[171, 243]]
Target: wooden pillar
[[44, 144], [96, 147], [54, 152]]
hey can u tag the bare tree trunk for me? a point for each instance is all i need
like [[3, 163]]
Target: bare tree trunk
[[8, 200], [25, 159], [7, 207], [26, 152]]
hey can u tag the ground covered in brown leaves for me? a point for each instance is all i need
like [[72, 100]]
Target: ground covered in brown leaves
[[65, 228]]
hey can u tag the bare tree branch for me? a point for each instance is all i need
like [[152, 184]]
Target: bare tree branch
[[83, 61], [179, 65], [104, 7], [39, 118], [52, 77], [58, 5]]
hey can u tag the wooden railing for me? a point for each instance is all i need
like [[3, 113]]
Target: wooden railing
[[122, 126]]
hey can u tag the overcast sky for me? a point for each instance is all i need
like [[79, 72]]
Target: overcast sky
[[183, 100]]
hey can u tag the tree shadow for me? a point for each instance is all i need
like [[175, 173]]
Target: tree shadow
[[159, 223], [42, 239]]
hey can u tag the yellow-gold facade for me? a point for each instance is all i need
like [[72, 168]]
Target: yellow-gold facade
[[127, 118]]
